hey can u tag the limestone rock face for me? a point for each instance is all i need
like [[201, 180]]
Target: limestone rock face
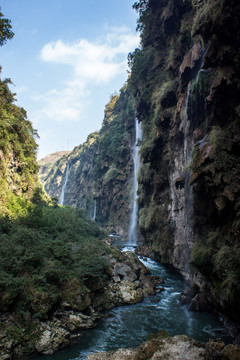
[[186, 80]]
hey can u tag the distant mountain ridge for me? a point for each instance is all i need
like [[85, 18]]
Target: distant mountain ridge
[[52, 158], [48, 161]]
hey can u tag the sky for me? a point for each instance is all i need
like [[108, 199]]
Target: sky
[[66, 59]]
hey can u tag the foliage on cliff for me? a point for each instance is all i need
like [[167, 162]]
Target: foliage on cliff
[[191, 138], [100, 169], [42, 253], [18, 165], [44, 249]]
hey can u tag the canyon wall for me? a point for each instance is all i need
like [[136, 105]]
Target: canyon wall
[[184, 88], [100, 170], [186, 83]]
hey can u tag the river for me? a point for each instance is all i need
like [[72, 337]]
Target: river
[[127, 326]]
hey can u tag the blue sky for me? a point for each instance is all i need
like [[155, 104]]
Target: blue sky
[[66, 59]]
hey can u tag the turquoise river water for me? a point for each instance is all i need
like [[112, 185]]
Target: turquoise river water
[[127, 326]]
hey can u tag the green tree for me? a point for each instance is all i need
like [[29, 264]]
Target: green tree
[[5, 30]]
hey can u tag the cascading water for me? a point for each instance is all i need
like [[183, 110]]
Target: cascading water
[[132, 235], [94, 210], [61, 198]]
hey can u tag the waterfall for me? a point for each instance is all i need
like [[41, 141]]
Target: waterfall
[[61, 198], [94, 210], [132, 234]]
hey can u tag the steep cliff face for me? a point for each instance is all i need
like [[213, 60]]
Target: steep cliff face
[[100, 170], [186, 81]]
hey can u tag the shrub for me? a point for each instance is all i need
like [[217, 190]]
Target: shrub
[[41, 252]]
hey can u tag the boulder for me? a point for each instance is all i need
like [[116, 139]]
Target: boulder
[[159, 347], [123, 271], [216, 349], [121, 354], [79, 321], [52, 339], [129, 293]]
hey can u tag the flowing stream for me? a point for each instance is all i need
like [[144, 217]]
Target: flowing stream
[[61, 198], [127, 326]]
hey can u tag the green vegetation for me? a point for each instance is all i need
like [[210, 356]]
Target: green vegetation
[[217, 252], [42, 253], [5, 30], [18, 165], [44, 248]]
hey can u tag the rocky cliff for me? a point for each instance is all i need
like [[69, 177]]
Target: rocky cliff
[[100, 170], [186, 81], [184, 86]]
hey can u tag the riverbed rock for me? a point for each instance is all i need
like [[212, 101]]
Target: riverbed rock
[[144, 251], [180, 347], [123, 271], [80, 321], [129, 292], [130, 282], [52, 339], [133, 261], [158, 347], [216, 349], [123, 354]]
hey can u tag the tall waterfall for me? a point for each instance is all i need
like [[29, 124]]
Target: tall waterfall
[[61, 198], [94, 210], [132, 234]]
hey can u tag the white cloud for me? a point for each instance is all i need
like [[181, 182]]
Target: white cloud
[[92, 63], [98, 61], [63, 104]]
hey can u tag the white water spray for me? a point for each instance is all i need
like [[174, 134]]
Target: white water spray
[[61, 198], [132, 235]]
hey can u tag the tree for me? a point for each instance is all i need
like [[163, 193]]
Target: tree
[[5, 30]]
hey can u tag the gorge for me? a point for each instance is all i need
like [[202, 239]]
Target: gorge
[[184, 91], [163, 173]]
